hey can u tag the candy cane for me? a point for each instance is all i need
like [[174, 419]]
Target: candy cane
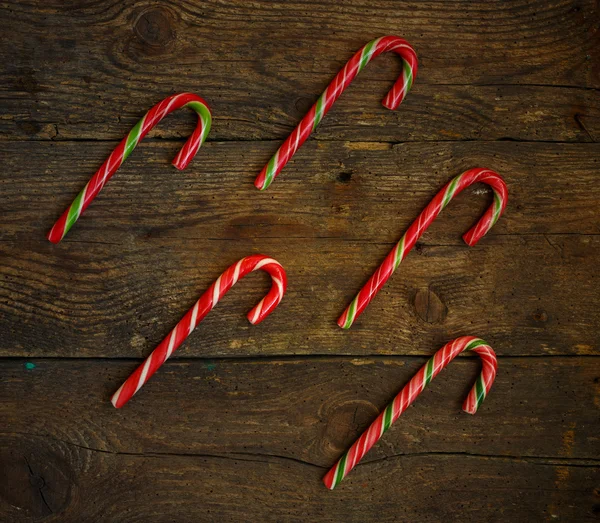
[[123, 150], [418, 227], [197, 313], [339, 84], [410, 392]]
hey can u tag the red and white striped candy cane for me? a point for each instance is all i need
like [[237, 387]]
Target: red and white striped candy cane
[[123, 150], [197, 313], [410, 392], [339, 84], [418, 227]]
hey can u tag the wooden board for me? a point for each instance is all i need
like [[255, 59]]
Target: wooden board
[[339, 214], [486, 71], [526, 72], [244, 421], [231, 487], [432, 113], [260, 427]]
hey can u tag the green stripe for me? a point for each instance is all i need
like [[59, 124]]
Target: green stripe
[[133, 138], [450, 191], [351, 311], [319, 110], [270, 174], [479, 390], [366, 53], [205, 116], [74, 210], [474, 344], [387, 417], [408, 75], [498, 208], [399, 252], [428, 372], [340, 471]]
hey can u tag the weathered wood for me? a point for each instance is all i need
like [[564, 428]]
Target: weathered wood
[[430, 112], [129, 269], [306, 409], [100, 300], [526, 72], [225, 436], [362, 191], [122, 487], [248, 437]]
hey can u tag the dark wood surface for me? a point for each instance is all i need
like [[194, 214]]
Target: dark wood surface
[[244, 421]]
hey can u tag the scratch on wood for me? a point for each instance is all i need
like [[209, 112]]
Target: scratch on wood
[[580, 124], [368, 146], [361, 361]]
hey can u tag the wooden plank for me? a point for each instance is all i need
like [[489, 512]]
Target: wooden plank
[[541, 42], [100, 300], [329, 190], [527, 72], [308, 409], [225, 436], [240, 488], [135, 262]]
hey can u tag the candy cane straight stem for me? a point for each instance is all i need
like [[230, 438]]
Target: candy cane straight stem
[[123, 150], [410, 392], [332, 93], [418, 227], [197, 313]]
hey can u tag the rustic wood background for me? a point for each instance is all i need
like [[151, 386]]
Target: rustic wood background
[[244, 421]]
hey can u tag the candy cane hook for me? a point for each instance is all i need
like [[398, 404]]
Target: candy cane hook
[[410, 392], [197, 313], [333, 91], [418, 227], [127, 145]]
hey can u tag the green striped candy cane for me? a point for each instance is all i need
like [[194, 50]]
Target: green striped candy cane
[[127, 145], [410, 392]]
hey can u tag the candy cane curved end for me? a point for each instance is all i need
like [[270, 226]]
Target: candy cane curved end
[[124, 149], [410, 392], [334, 90], [420, 225], [199, 311], [494, 211], [275, 294]]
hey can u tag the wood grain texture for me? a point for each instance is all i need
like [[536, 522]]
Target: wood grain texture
[[256, 427], [241, 488], [366, 191], [122, 303], [519, 70], [244, 421], [429, 113], [308, 409], [340, 208]]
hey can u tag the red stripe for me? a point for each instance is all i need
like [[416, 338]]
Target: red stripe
[[56, 233]]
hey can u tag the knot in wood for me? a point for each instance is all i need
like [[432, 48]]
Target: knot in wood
[[429, 306], [154, 27], [347, 421]]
